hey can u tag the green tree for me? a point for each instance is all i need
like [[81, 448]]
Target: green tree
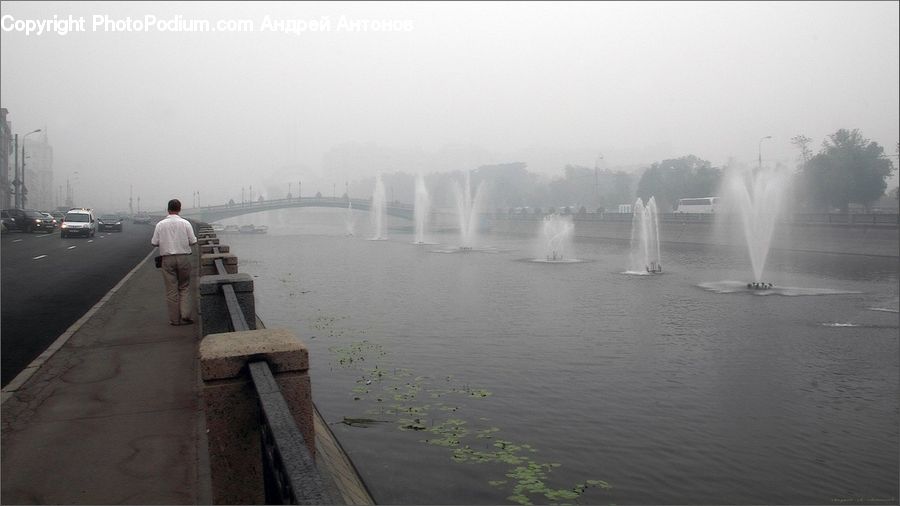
[[802, 142], [616, 187], [678, 178], [801, 191], [848, 169]]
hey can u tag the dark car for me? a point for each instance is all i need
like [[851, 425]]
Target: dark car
[[49, 218], [28, 220], [109, 222], [8, 222]]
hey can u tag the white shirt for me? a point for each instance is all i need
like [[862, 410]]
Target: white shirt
[[174, 236]]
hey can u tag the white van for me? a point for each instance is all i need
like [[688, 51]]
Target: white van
[[701, 205], [78, 222]]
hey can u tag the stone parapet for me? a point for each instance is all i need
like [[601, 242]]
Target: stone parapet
[[232, 405], [208, 263], [207, 249], [214, 315]]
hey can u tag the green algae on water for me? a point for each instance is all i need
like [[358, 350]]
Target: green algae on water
[[527, 478]]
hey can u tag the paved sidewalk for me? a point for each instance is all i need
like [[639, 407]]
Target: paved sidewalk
[[114, 415]]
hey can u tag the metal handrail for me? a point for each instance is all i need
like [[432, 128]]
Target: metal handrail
[[238, 322], [289, 473], [876, 219]]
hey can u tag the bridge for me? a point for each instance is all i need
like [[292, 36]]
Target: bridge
[[212, 214]]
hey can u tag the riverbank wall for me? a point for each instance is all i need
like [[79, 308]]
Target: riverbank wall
[[847, 239]]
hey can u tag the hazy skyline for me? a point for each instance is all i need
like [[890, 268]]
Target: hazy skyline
[[547, 84]]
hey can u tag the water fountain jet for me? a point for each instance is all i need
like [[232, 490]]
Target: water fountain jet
[[348, 220], [379, 207], [422, 209], [755, 198], [556, 231], [645, 253], [467, 209]]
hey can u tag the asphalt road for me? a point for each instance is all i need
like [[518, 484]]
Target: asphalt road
[[47, 283]]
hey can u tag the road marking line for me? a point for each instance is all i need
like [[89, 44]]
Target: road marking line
[[18, 240], [72, 247], [39, 257], [91, 240], [10, 389]]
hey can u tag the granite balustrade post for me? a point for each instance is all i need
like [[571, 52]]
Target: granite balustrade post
[[208, 262], [232, 406], [214, 315]]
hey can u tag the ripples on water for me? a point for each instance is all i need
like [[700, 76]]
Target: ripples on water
[[675, 389]]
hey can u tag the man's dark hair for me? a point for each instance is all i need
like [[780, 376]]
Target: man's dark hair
[[174, 206]]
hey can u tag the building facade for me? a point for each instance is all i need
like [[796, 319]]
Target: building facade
[[40, 192], [6, 160]]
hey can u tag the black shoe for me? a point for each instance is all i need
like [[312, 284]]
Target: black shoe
[[186, 321]]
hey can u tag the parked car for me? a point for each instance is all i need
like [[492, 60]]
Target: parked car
[[28, 220], [79, 222], [8, 223], [141, 218], [109, 222], [49, 217]]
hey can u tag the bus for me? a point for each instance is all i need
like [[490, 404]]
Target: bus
[[701, 205]]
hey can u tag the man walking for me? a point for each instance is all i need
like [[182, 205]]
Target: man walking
[[174, 236]]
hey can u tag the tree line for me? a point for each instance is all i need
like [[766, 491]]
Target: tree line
[[848, 169]]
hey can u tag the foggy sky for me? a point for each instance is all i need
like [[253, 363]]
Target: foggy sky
[[546, 84]]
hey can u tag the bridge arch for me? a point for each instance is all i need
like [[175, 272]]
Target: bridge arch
[[215, 213]]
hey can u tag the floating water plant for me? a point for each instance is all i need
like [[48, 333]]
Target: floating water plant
[[527, 478]]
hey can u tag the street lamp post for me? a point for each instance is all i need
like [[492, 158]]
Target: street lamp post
[[22, 188], [759, 162], [15, 183], [70, 191]]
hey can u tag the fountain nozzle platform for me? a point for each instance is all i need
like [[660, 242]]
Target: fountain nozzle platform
[[654, 268]]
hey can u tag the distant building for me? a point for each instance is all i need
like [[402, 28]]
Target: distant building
[[39, 172], [6, 152]]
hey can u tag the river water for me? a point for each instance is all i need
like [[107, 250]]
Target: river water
[[485, 378]]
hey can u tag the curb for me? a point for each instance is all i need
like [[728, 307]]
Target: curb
[[10, 389]]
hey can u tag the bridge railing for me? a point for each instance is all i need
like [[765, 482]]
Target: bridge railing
[[278, 203], [217, 212], [255, 382]]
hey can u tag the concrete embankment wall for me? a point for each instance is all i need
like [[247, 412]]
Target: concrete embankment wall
[[877, 240]]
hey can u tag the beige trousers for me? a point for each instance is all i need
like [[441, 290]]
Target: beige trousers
[[176, 270]]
